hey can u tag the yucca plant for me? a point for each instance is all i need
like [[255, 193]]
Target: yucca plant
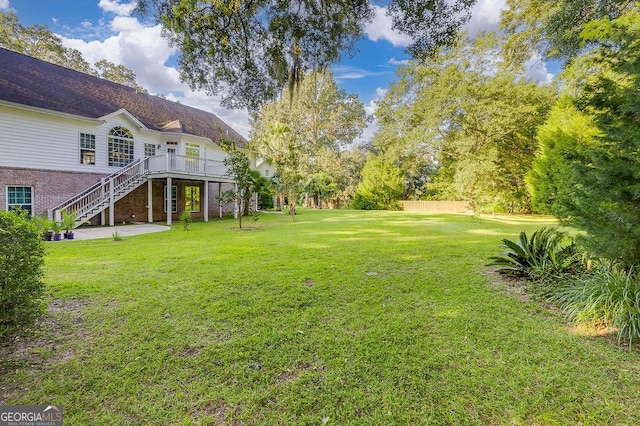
[[608, 296], [548, 252]]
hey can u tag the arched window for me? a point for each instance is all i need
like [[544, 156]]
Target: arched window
[[120, 147]]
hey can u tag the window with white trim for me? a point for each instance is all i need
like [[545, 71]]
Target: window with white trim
[[149, 149], [120, 147], [20, 197], [192, 198], [174, 199], [87, 148]]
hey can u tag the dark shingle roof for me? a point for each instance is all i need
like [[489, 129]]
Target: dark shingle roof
[[29, 81]]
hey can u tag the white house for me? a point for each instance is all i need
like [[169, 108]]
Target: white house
[[266, 168], [75, 143]]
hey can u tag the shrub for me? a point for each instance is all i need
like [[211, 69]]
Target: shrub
[[381, 187], [21, 262], [545, 254], [185, 218], [265, 200], [608, 296]]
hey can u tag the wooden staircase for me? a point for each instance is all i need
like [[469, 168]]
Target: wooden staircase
[[104, 194]]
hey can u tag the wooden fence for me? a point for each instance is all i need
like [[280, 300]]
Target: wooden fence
[[435, 206]]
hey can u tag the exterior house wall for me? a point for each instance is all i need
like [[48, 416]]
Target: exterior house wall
[[45, 108], [36, 140], [49, 187], [42, 151], [266, 169]]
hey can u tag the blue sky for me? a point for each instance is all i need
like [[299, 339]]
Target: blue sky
[[107, 29]]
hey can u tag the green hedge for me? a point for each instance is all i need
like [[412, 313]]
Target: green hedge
[[21, 262]]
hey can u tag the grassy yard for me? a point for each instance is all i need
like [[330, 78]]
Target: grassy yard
[[341, 317]]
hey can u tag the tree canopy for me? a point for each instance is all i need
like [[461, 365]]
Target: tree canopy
[[320, 121], [471, 117], [588, 169], [247, 50], [553, 27]]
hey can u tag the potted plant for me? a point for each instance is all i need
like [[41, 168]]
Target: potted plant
[[68, 223], [43, 224], [56, 227]]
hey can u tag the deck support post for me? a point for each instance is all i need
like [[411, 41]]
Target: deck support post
[[236, 207], [220, 199], [169, 201], [150, 200], [206, 201], [111, 203]]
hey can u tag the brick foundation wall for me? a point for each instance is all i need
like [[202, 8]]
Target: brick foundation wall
[[50, 188], [214, 204]]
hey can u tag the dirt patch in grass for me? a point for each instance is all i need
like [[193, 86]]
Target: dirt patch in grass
[[42, 345], [188, 351], [291, 374], [513, 286], [218, 411]]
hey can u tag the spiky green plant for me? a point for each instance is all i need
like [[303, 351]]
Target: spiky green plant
[[548, 252], [610, 296], [186, 219]]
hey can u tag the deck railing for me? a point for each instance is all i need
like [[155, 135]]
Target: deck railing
[[118, 184], [183, 164]]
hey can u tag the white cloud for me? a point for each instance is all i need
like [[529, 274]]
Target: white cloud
[[342, 72], [114, 6], [126, 24], [4, 5], [372, 106], [380, 29], [141, 49], [536, 69], [485, 16], [237, 119], [373, 126], [394, 61]]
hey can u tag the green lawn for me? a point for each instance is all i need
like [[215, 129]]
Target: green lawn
[[341, 317]]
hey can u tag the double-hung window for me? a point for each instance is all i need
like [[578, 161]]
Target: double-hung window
[[149, 150], [20, 197], [87, 148]]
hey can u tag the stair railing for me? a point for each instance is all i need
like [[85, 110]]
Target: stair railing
[[98, 193]]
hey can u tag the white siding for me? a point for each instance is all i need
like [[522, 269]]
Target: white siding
[[41, 141]]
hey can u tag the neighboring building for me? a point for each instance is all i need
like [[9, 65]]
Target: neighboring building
[[75, 143], [266, 168]]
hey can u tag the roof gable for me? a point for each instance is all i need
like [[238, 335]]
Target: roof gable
[[32, 82], [127, 115]]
